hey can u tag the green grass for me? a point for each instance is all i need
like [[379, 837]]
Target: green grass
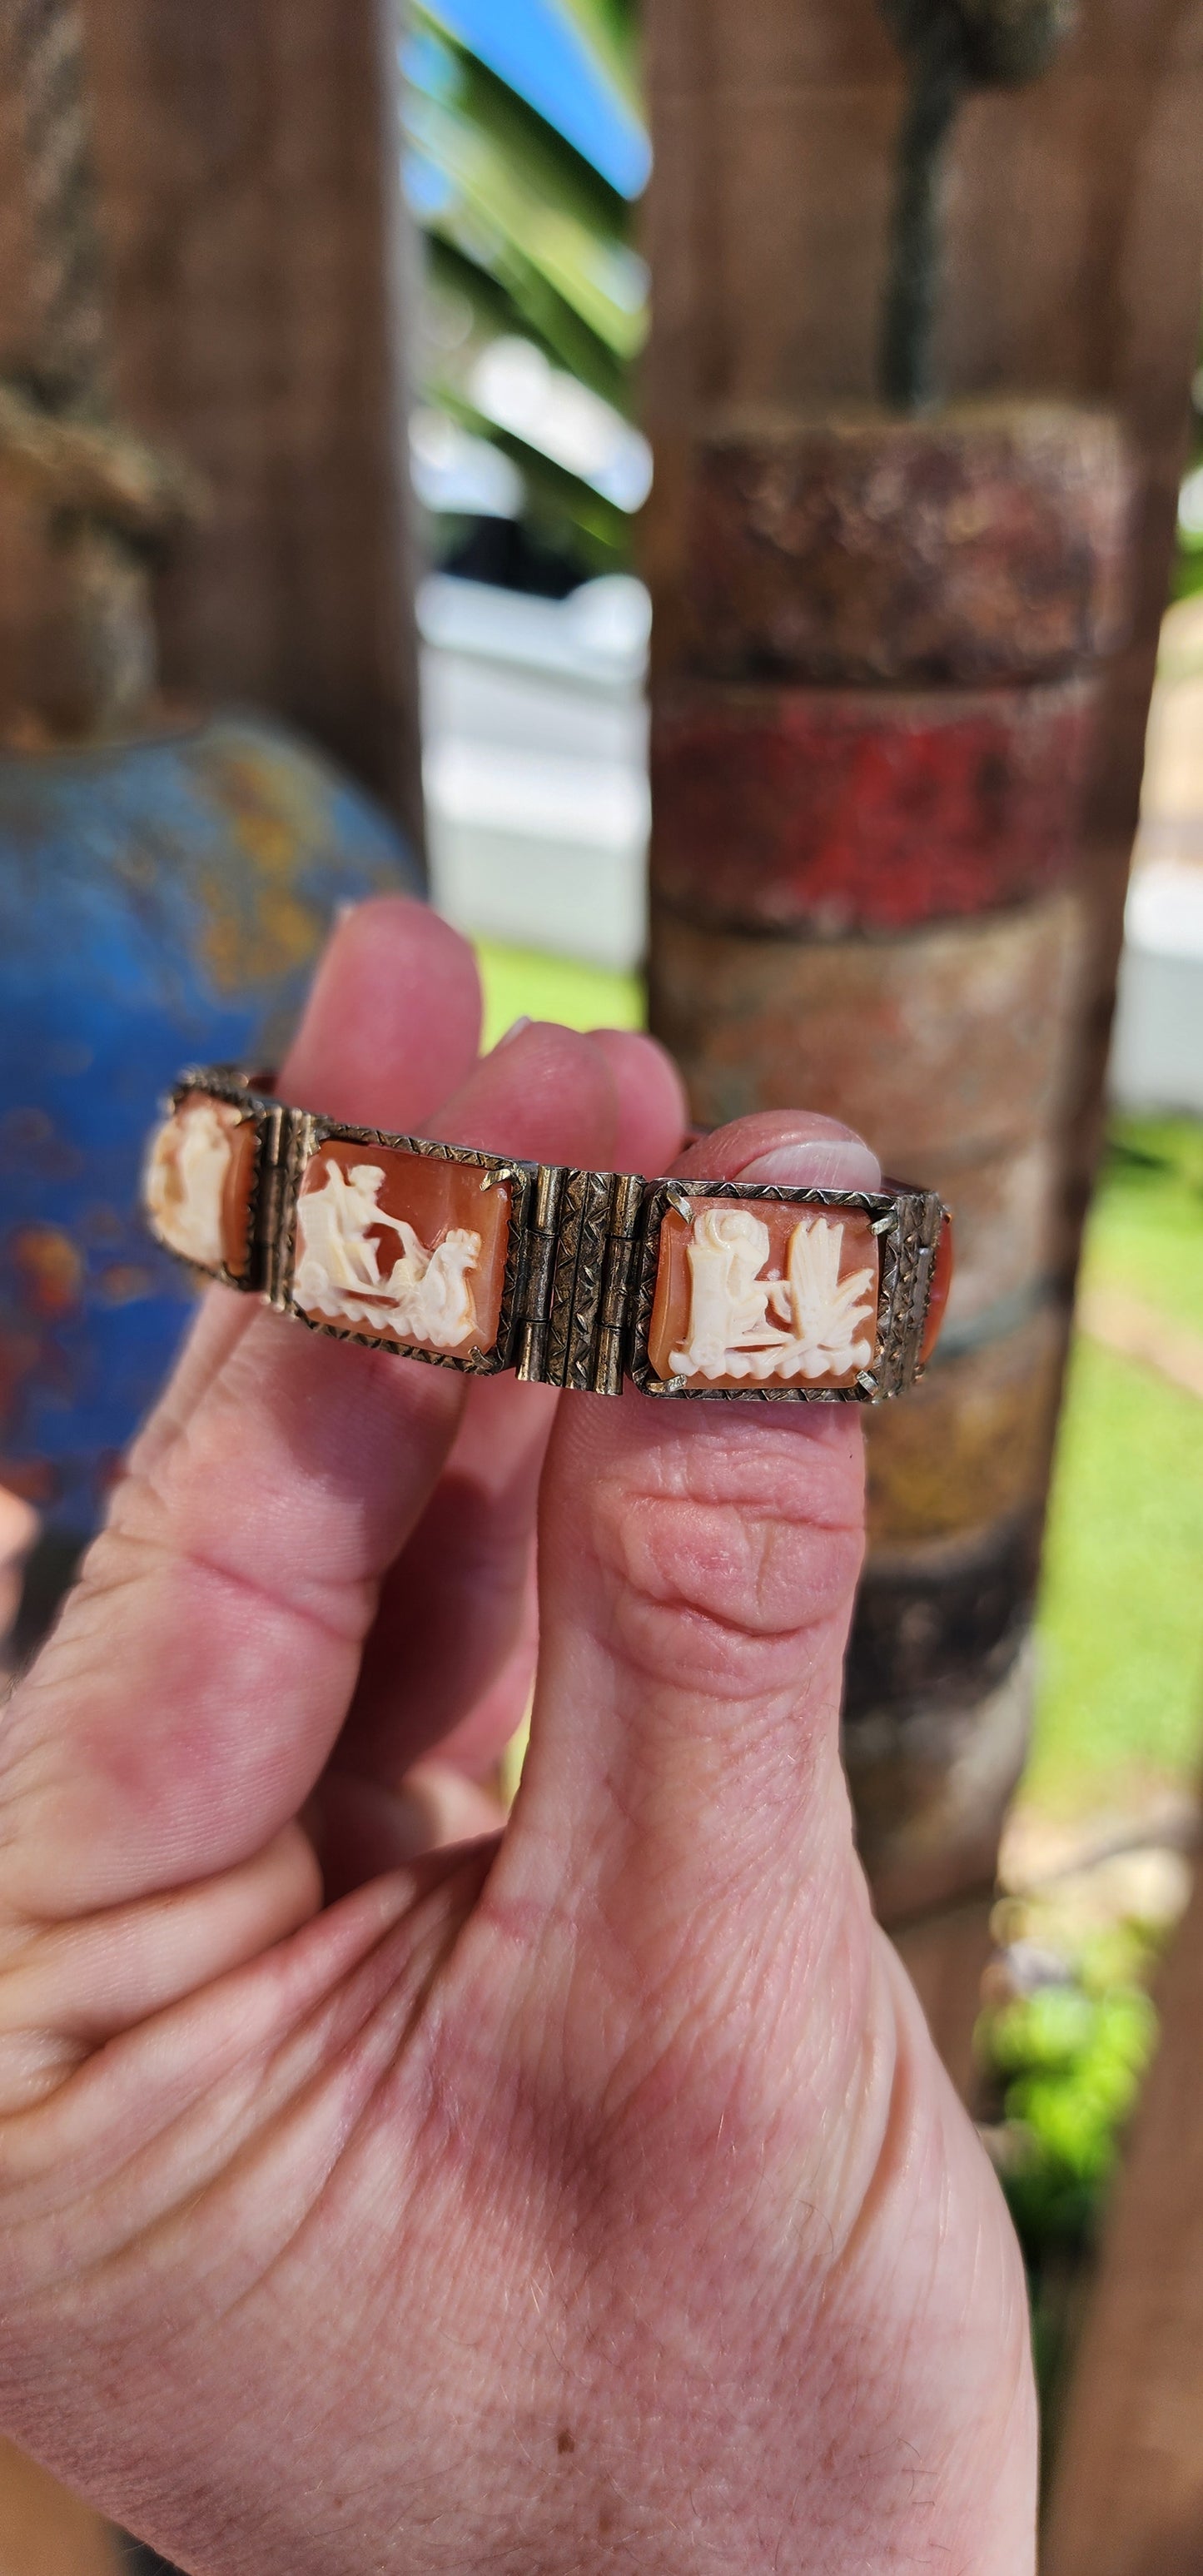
[[1120, 1624], [519, 984], [1120, 1631], [1146, 1229]]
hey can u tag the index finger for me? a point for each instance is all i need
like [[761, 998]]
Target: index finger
[[391, 1028], [180, 1714]]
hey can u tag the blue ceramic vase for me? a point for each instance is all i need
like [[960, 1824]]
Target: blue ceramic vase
[[160, 899]]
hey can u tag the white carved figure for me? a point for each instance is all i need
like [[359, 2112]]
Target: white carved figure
[[185, 1185], [425, 1297], [742, 1325]]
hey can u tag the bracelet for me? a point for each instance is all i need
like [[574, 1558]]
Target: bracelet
[[748, 1291]]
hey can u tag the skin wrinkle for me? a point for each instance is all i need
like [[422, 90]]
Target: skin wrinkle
[[653, 1795], [740, 1571], [187, 1561], [674, 2090], [378, 2046], [150, 1779], [654, 1942], [696, 1579], [334, 1458], [289, 1990], [763, 2121], [113, 1936], [667, 1629]]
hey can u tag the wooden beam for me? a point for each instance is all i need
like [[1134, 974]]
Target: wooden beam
[[44, 2531], [945, 1957], [248, 159], [1128, 2496]]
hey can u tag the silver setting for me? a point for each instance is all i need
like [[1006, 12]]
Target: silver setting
[[908, 1224], [907, 1268], [308, 1133]]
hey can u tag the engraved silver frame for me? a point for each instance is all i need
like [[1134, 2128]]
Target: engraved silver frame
[[306, 1132], [905, 1222], [582, 1256]]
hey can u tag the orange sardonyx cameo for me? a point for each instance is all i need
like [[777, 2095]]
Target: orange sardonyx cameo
[[405, 1247], [763, 1293], [199, 1181]]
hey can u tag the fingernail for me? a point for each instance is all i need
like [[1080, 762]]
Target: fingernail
[[817, 1162], [343, 912], [514, 1030]]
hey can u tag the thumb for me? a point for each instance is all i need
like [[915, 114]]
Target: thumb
[[698, 1564]]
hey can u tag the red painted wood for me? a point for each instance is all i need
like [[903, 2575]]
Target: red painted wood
[[834, 811]]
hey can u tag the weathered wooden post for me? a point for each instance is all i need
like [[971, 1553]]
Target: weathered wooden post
[[248, 156], [203, 231], [897, 747], [1127, 2497], [179, 882]]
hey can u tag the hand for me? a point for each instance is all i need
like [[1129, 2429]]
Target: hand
[[586, 2197]]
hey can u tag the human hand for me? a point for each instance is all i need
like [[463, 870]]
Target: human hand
[[584, 2198]]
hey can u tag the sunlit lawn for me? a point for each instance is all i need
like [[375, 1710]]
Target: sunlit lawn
[[1120, 1700], [1146, 1230], [1121, 1614], [518, 984]]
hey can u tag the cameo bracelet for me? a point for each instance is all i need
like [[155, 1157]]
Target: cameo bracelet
[[746, 1291]]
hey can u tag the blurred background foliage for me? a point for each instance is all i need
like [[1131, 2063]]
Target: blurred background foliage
[[1188, 568], [526, 154]]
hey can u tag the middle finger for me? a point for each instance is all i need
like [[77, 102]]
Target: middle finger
[[451, 1613]]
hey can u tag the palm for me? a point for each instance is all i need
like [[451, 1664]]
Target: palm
[[592, 2201]]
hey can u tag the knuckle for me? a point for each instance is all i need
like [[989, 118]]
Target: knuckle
[[717, 1572]]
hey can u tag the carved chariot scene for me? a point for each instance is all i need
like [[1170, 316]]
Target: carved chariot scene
[[764, 1297], [366, 1260], [198, 1182]]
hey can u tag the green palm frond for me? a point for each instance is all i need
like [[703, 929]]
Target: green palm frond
[[610, 30], [598, 277], [561, 505], [504, 294], [526, 239]]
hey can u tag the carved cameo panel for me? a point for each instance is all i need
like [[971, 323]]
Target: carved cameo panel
[[199, 1182], [403, 1247], [753, 1292]]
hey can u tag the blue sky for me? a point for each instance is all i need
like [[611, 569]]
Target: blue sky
[[533, 46]]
